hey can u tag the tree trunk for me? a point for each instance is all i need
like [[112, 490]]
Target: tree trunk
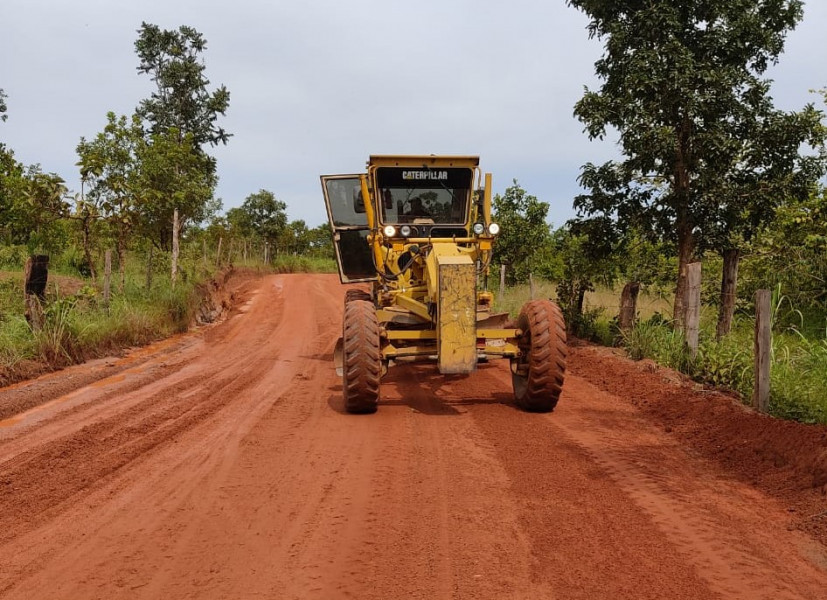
[[149, 269], [628, 305], [122, 261], [683, 224], [107, 274], [87, 250], [729, 282], [581, 297], [175, 225]]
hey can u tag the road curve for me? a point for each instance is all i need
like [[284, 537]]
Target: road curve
[[221, 465]]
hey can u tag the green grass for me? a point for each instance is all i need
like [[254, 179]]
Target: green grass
[[303, 264], [798, 376], [78, 326], [799, 360]]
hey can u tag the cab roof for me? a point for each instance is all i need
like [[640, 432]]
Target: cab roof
[[422, 160]]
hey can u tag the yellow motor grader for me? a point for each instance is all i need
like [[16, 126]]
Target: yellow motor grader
[[418, 230]]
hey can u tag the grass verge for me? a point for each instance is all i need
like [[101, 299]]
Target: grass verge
[[77, 326]]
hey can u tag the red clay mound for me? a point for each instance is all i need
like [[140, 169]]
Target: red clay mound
[[785, 459]]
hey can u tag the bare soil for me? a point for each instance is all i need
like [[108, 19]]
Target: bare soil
[[221, 464]]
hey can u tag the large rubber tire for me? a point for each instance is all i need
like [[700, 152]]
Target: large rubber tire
[[362, 364], [356, 294], [537, 374]]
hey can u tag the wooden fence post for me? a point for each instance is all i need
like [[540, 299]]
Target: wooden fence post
[[692, 304], [107, 277], [531, 287], [218, 254], [763, 345], [502, 280], [175, 226], [628, 305]]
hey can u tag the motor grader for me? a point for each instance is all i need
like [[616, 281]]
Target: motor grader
[[418, 231]]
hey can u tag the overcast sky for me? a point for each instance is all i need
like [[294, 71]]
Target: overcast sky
[[317, 86]]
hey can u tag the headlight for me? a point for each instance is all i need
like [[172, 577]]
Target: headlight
[[479, 228], [405, 230], [493, 229], [389, 231]]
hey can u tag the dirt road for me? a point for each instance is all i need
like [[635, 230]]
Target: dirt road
[[220, 465]]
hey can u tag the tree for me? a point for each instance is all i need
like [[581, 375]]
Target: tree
[[681, 85], [262, 215], [770, 171], [524, 241], [3, 107], [320, 241], [181, 100], [294, 239], [12, 186], [171, 175], [181, 111], [108, 163]]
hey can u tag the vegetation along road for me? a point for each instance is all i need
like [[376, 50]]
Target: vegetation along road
[[220, 464]]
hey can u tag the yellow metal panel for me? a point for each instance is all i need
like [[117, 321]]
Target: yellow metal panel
[[412, 305], [411, 334], [504, 334], [457, 321]]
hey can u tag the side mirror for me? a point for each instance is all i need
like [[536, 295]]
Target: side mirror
[[358, 201]]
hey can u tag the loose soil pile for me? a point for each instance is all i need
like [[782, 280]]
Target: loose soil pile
[[785, 459]]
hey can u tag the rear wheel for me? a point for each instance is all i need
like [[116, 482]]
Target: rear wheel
[[537, 374], [362, 364]]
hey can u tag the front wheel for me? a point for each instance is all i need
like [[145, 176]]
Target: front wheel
[[362, 364], [537, 374]]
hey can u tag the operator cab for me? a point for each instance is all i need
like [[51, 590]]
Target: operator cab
[[434, 202], [419, 196]]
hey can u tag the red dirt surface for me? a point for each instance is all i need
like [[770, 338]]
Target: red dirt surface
[[221, 465]]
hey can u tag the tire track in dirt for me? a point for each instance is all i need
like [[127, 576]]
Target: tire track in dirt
[[233, 472], [735, 539]]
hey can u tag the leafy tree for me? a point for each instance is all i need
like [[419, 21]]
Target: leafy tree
[[181, 100], [171, 175], [240, 223], [40, 208], [265, 215], [180, 112], [681, 86], [524, 241], [295, 239], [12, 186], [586, 261], [793, 252], [108, 163], [3, 107], [319, 241], [30, 201]]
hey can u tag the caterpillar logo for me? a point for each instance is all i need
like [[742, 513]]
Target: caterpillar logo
[[407, 175]]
